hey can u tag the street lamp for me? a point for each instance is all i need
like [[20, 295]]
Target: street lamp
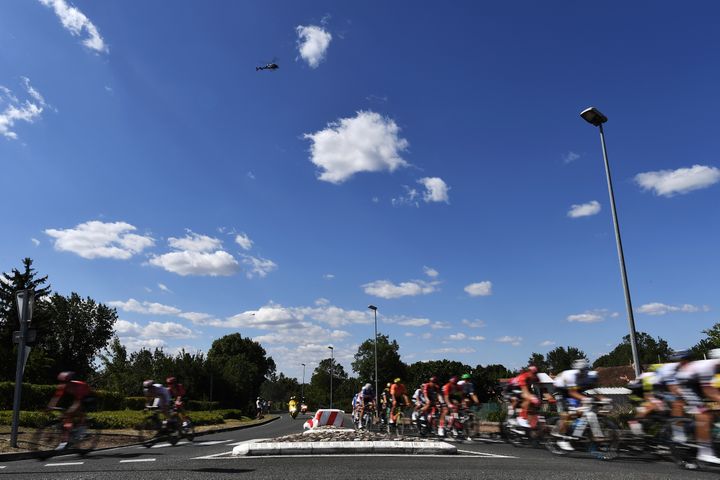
[[25, 300], [594, 117], [302, 386], [332, 368], [377, 400]]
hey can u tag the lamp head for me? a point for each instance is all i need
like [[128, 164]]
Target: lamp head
[[593, 116], [372, 307]]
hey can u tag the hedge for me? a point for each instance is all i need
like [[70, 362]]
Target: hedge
[[119, 418], [36, 397]]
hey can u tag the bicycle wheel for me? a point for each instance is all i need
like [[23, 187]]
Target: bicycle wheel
[[148, 431], [48, 437], [607, 448], [400, 424], [86, 438]]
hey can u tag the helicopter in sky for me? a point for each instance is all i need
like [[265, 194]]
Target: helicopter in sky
[[269, 66]]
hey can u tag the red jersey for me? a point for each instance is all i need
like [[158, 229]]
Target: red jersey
[[397, 390], [430, 391], [75, 388], [526, 379], [177, 390], [451, 391]]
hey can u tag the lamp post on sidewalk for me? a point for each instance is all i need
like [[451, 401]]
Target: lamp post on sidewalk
[[377, 398], [25, 300], [594, 117], [302, 386], [332, 368]]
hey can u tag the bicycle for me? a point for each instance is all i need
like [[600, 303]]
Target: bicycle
[[398, 427], [602, 439], [152, 429], [56, 436]]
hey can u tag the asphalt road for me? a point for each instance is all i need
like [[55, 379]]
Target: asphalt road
[[209, 457]]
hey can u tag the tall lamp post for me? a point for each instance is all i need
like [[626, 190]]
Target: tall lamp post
[[594, 117], [332, 369], [377, 399], [25, 300], [302, 386]]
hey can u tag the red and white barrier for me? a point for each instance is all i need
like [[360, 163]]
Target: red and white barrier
[[326, 417]]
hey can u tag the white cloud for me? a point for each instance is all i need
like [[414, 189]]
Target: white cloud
[[570, 157], [196, 317], [97, 239], [584, 209], [479, 289], [439, 325], [409, 334], [436, 190], [75, 22], [407, 321], [668, 183], [244, 241], [367, 142], [146, 308], [312, 43], [322, 302], [152, 330], [662, 309], [133, 344], [474, 323], [195, 242], [35, 241], [409, 198], [16, 111], [453, 350], [258, 266], [292, 336], [591, 316], [388, 290], [547, 343], [457, 336], [477, 338], [426, 336], [194, 255], [514, 341], [328, 276], [431, 272], [164, 288]]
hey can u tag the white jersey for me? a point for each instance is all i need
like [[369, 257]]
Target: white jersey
[[417, 396], [568, 379], [162, 396], [701, 371], [666, 375]]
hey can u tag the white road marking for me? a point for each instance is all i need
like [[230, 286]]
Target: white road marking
[[63, 464], [136, 460], [215, 455], [163, 445], [2, 466], [212, 442], [246, 441], [483, 454], [409, 455]]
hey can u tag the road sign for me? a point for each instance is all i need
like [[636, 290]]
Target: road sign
[[30, 337]]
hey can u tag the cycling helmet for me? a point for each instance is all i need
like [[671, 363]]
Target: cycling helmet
[[368, 386], [453, 379], [714, 354], [147, 384], [397, 380], [433, 379], [532, 369], [466, 376], [66, 376], [581, 364], [171, 380], [680, 355], [388, 385]]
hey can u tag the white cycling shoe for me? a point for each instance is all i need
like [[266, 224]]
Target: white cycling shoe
[[565, 445], [708, 459]]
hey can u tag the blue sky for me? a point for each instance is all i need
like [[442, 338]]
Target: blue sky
[[425, 158]]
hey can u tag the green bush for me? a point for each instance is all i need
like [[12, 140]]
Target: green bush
[[34, 397], [134, 403], [200, 405], [27, 419]]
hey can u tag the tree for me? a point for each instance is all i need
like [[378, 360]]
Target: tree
[[712, 340], [538, 359], [279, 388], [318, 391], [486, 379], [10, 284], [78, 330], [389, 364], [239, 367], [562, 358], [650, 351], [420, 372]]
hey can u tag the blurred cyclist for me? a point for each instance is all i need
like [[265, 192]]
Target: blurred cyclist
[[75, 414], [178, 393]]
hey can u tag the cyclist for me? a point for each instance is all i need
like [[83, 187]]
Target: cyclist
[[695, 385], [385, 403], [430, 397], [569, 385], [399, 398], [451, 398], [468, 389], [75, 414], [367, 398], [157, 396], [417, 403], [178, 393], [525, 382], [356, 409], [259, 404]]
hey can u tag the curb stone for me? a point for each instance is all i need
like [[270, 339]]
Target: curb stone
[[14, 456], [334, 448]]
